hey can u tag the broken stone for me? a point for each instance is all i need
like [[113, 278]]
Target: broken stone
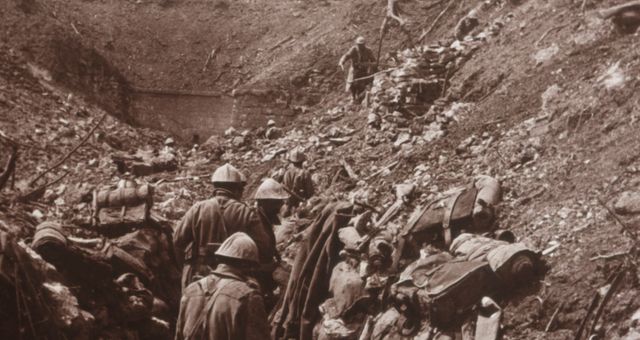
[[613, 78], [69, 314], [628, 203], [550, 97], [546, 54], [477, 150], [432, 135], [238, 141], [564, 213], [403, 137], [37, 214]]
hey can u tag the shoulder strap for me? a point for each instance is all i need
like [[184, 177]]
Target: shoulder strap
[[448, 211], [222, 222], [195, 244], [200, 322]]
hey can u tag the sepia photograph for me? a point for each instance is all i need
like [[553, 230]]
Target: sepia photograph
[[319, 170]]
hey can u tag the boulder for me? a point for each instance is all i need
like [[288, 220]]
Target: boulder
[[628, 203]]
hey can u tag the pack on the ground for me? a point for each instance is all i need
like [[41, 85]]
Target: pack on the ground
[[127, 206], [441, 289], [513, 263], [469, 209], [455, 288]]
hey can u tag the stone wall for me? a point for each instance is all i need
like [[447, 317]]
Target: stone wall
[[183, 114], [187, 114], [254, 107]]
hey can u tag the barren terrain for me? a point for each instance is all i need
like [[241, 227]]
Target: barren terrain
[[548, 105]]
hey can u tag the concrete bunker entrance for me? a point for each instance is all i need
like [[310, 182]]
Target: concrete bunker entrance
[[195, 116]]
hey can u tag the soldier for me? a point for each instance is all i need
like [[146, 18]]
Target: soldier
[[273, 132], [208, 223], [297, 180], [363, 63], [225, 305], [270, 198]]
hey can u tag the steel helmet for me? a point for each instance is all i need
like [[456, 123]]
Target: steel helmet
[[271, 190], [228, 174], [239, 246], [360, 40], [271, 122], [296, 156]]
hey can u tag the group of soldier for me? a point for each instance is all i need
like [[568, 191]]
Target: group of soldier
[[227, 249], [228, 253]]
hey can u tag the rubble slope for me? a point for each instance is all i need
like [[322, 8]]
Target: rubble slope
[[546, 105]]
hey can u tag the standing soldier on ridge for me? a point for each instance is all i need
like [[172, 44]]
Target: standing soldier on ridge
[[363, 64]]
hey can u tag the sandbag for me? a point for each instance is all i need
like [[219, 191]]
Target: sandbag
[[121, 208]]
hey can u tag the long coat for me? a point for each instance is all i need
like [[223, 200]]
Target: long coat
[[206, 225], [222, 306]]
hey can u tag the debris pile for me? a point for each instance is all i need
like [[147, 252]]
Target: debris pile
[[419, 79], [367, 282], [424, 261]]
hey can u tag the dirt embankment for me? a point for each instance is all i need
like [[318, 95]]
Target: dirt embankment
[[207, 46], [35, 30], [553, 116]]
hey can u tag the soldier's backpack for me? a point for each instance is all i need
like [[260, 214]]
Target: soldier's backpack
[[455, 288], [442, 292], [470, 209], [125, 207], [513, 263]]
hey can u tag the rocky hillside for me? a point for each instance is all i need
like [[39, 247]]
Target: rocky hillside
[[540, 95]]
